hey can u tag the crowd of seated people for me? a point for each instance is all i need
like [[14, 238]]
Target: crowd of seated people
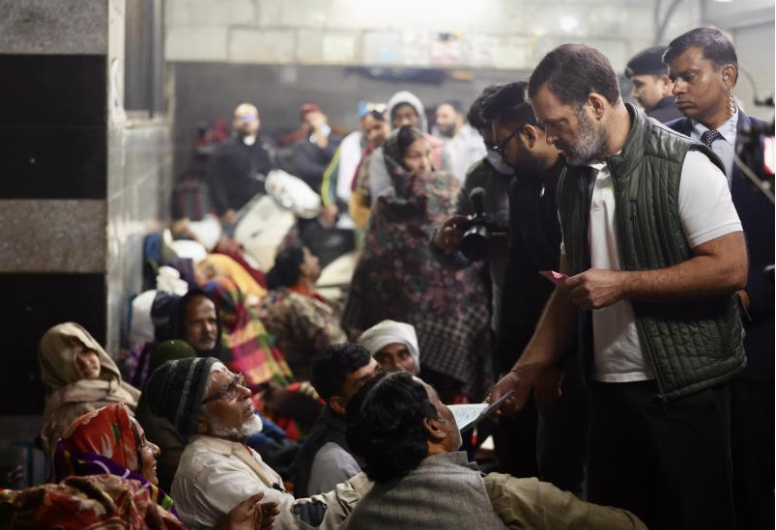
[[259, 399]]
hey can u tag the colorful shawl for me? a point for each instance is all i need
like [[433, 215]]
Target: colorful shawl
[[252, 350], [103, 442], [99, 502], [398, 277]]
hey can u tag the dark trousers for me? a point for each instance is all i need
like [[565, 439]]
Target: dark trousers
[[549, 442], [669, 465], [753, 457]]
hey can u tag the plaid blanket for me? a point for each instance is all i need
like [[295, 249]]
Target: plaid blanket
[[244, 335]]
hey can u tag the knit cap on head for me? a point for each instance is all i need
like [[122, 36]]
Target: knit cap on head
[[169, 350], [176, 389]]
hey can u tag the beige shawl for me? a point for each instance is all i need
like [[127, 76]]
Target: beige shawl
[[70, 395]]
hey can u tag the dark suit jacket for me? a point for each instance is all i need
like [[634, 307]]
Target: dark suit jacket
[[757, 218]]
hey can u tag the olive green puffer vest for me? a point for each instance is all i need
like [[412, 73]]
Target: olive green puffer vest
[[690, 346]]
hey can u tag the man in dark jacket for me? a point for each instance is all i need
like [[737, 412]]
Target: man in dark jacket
[[654, 254], [325, 459], [704, 65], [558, 447], [238, 166], [312, 154], [651, 85]]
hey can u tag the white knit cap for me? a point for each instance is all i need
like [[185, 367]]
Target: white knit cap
[[390, 332]]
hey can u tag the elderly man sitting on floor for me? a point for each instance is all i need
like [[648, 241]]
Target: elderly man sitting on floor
[[212, 407], [409, 441]]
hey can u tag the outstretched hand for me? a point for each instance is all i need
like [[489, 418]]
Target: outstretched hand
[[513, 380], [251, 515]]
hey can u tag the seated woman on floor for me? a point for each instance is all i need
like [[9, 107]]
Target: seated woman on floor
[[109, 441], [303, 322], [80, 376]]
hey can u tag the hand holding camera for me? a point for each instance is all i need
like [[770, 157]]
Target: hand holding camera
[[449, 235]]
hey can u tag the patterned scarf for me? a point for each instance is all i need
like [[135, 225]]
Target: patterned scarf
[[103, 442]]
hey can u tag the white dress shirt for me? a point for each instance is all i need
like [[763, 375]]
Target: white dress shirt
[[724, 147]]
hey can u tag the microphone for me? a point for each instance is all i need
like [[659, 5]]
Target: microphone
[[477, 196]]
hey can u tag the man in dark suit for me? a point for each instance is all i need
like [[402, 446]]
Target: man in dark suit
[[704, 67]]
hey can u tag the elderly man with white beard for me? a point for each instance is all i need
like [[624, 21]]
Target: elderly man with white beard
[[212, 407]]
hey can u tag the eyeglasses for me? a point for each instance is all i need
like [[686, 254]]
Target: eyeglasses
[[500, 146], [228, 392]]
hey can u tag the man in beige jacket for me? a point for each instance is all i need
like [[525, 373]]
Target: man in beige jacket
[[212, 406]]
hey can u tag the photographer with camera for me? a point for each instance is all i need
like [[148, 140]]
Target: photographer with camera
[[704, 67], [548, 438], [478, 229]]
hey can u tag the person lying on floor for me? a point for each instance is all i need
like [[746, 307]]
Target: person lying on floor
[[409, 442]]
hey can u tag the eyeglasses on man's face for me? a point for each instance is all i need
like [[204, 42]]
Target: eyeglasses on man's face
[[500, 146], [228, 392]]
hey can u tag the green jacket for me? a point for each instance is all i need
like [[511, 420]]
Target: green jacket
[[690, 346]]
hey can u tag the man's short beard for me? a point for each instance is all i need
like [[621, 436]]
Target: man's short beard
[[589, 143], [237, 434]]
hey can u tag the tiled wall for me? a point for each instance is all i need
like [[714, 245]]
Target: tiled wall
[[139, 198], [79, 185], [508, 34]]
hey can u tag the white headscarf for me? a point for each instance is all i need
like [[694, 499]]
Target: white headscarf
[[390, 332]]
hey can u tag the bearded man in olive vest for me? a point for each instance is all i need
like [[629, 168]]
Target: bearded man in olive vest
[[655, 254]]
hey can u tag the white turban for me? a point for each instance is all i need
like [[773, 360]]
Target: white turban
[[390, 332]]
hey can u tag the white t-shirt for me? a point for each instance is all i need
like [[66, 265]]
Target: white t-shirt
[[706, 211]]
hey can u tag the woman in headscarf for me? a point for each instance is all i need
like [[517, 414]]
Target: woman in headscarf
[[109, 441], [80, 376], [372, 177], [398, 278]]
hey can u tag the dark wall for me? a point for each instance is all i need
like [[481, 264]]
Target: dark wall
[[54, 139], [206, 91]]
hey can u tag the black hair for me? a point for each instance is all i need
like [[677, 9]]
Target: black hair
[[406, 136], [400, 105], [179, 327], [285, 272], [474, 116], [333, 366], [385, 425], [510, 106], [572, 72], [715, 45]]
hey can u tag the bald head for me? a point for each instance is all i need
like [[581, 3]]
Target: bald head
[[246, 120]]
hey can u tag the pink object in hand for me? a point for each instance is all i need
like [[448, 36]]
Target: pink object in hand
[[555, 277]]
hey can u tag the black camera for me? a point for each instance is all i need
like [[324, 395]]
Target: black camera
[[477, 230]]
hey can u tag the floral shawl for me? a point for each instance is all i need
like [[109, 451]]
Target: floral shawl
[[99, 502], [103, 442], [398, 277]]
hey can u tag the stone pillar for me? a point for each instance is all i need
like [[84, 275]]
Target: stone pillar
[[69, 192]]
